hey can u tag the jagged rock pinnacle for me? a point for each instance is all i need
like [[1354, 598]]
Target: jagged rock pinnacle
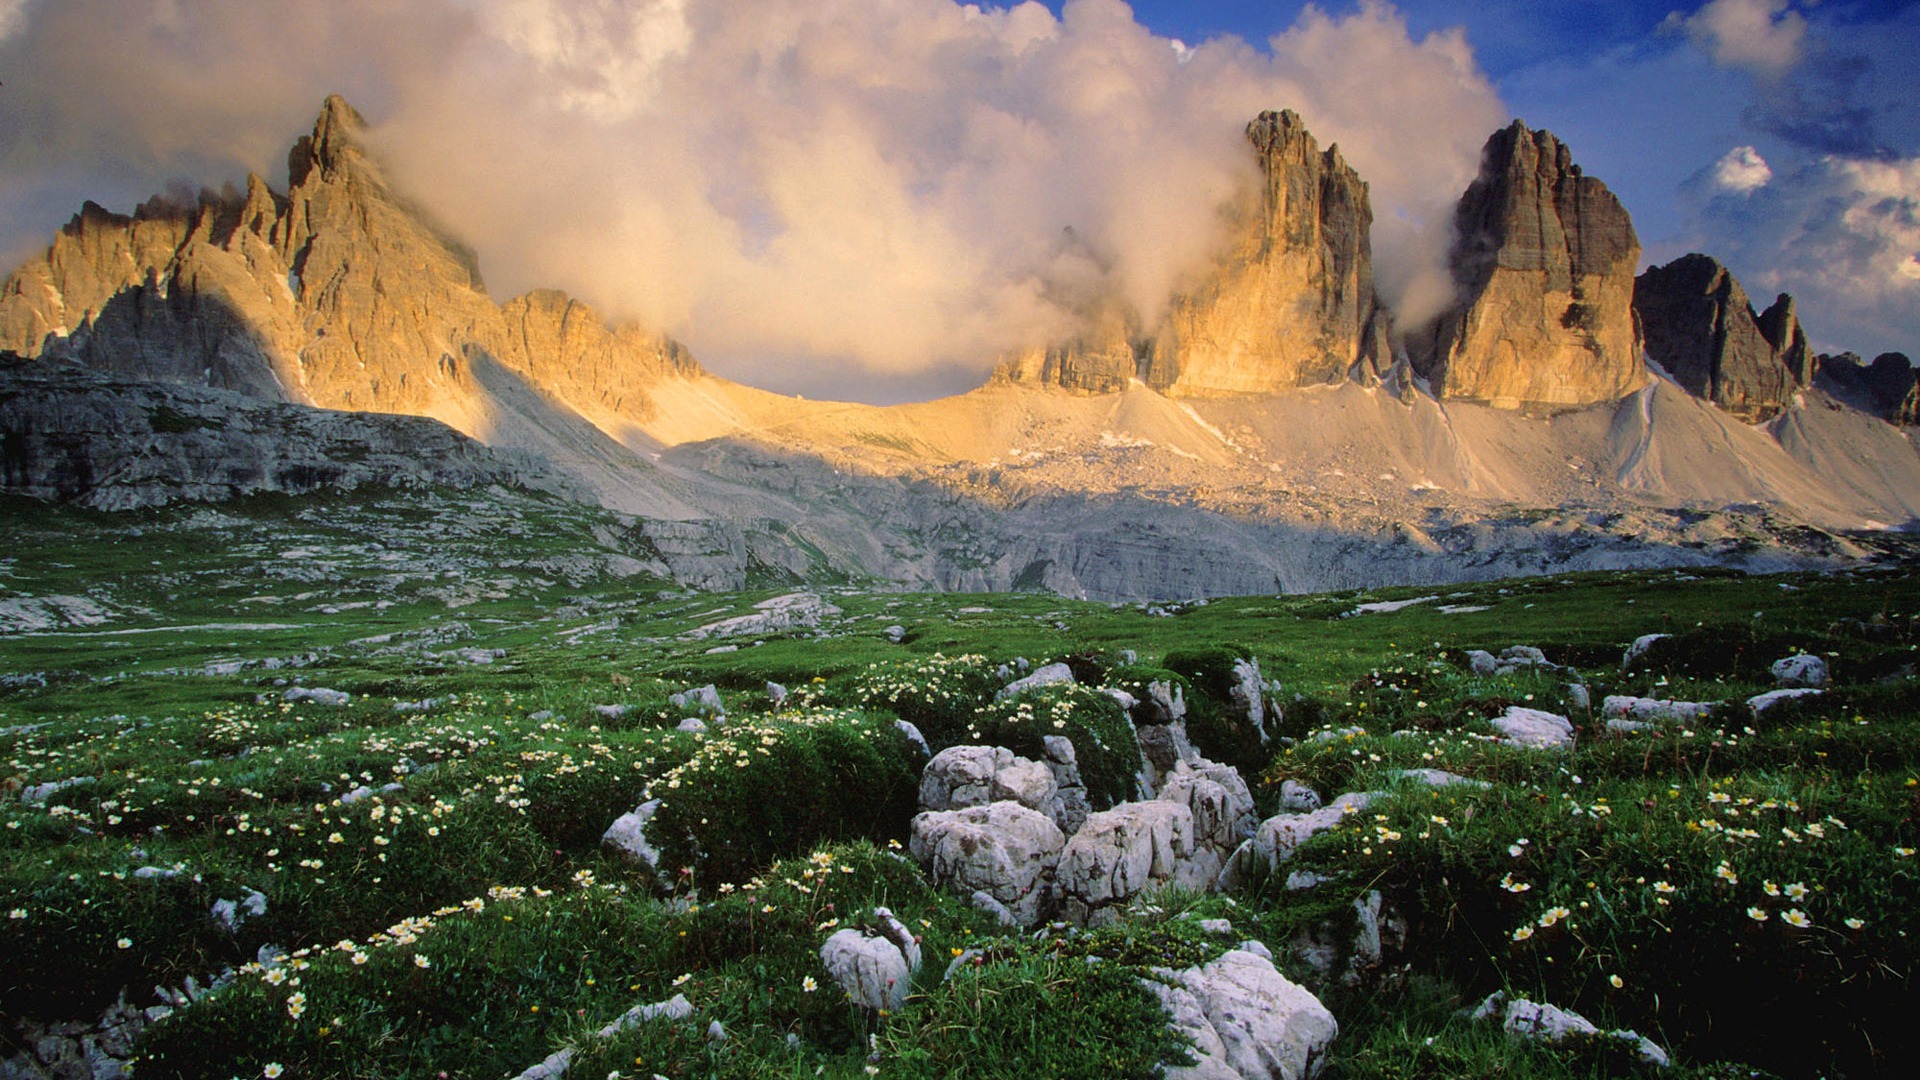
[[334, 144], [1543, 259]]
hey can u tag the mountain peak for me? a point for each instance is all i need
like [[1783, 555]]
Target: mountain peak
[[334, 144]]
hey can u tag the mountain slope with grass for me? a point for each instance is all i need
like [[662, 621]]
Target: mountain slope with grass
[[347, 810]]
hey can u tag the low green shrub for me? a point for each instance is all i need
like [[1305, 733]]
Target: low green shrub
[[759, 788], [1102, 737], [937, 694]]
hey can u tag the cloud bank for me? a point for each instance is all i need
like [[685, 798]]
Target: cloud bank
[[800, 189]]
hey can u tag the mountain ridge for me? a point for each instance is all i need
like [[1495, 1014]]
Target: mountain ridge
[[1338, 466]]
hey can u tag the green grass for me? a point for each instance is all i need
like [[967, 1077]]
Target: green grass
[[486, 858]]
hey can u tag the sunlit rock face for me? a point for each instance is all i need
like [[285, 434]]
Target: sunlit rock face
[[1701, 328], [1543, 260], [1289, 303], [338, 294]]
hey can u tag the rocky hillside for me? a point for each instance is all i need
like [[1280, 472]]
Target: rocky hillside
[[337, 294], [112, 443], [1544, 258]]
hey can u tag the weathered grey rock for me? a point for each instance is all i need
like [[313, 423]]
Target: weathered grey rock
[[1369, 935], [703, 701], [1245, 1020], [1639, 648], [1760, 703], [1221, 805], [876, 970], [38, 794], [1276, 839], [1248, 695], [1072, 805], [800, 610], [1122, 851], [692, 725], [1544, 259], [1626, 707], [1441, 778], [319, 695], [229, 914], [896, 633], [1534, 728], [626, 839], [1002, 849], [1800, 669], [911, 733], [1701, 328], [1550, 1024], [1047, 675], [777, 696], [1298, 798], [1511, 659]]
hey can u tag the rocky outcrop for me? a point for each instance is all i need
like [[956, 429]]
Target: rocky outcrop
[[1244, 1019], [338, 293], [1002, 854], [112, 443], [1543, 259], [1888, 388], [1290, 303], [1700, 327]]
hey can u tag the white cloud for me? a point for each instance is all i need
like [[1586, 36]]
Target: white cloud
[[1842, 235], [1764, 37], [1742, 170], [880, 183], [13, 17]]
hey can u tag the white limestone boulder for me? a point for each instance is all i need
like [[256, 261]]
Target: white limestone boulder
[[1534, 728], [1246, 1020], [1003, 849]]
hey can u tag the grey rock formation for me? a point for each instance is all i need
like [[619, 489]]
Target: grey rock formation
[[110, 443], [1543, 257], [1120, 852], [876, 970], [1800, 669], [1003, 849], [1534, 728], [1246, 1021], [1700, 327], [1888, 388]]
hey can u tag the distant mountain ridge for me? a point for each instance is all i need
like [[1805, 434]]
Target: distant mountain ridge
[[1274, 430]]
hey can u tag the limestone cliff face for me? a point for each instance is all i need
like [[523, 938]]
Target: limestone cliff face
[[338, 294], [1543, 259], [1290, 303], [1888, 388], [1700, 326]]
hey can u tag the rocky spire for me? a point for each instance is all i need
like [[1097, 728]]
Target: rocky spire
[[1543, 261], [1700, 327], [1289, 303]]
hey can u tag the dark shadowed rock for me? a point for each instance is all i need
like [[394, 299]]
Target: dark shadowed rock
[[109, 443], [1888, 388], [1700, 327]]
